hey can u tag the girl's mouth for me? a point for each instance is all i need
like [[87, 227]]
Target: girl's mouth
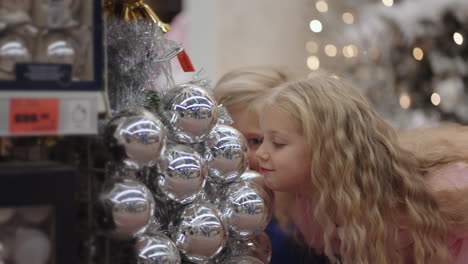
[[263, 170]]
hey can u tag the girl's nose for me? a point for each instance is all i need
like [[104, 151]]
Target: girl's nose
[[261, 153]]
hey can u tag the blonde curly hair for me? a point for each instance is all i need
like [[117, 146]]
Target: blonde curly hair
[[243, 87], [362, 179]]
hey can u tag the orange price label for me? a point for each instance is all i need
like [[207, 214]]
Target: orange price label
[[34, 115]]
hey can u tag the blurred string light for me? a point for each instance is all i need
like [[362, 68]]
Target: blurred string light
[[418, 53], [458, 38], [313, 63], [435, 99], [387, 2], [321, 6], [405, 100], [331, 50], [312, 46], [350, 51], [315, 26], [348, 18]]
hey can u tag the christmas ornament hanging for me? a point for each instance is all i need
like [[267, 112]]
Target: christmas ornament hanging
[[257, 178], [246, 208], [190, 112], [181, 174], [136, 138], [125, 208], [258, 247], [227, 154], [200, 232], [156, 249]]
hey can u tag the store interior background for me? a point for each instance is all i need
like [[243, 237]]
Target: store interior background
[[408, 57]]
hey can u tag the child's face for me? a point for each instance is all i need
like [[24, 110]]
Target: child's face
[[247, 123], [284, 158]]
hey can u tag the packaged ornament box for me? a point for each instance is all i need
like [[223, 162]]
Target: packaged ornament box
[[38, 214], [51, 45]]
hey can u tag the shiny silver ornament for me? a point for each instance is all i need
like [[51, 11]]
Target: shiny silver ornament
[[254, 176], [190, 111], [246, 209], [136, 138], [13, 50], [227, 156], [156, 249], [61, 49], [125, 208], [31, 246], [200, 233], [258, 247], [181, 174], [257, 178], [243, 260]]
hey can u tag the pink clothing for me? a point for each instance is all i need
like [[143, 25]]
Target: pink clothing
[[448, 178]]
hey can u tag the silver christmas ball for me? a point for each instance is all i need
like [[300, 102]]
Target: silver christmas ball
[[125, 208], [257, 178], [13, 50], [61, 49], [246, 208], [181, 174], [254, 176], [136, 138], [31, 246], [227, 155], [243, 260], [156, 249], [258, 247], [190, 111], [200, 232]]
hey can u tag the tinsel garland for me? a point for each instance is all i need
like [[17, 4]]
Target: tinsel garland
[[132, 49]]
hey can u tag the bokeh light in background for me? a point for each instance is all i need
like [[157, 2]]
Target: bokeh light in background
[[348, 18], [331, 50], [458, 38], [435, 99], [315, 26], [321, 6], [313, 63], [418, 53], [350, 51], [387, 2], [405, 101]]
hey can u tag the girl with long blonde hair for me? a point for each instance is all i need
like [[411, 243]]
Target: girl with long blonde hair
[[356, 188], [240, 91]]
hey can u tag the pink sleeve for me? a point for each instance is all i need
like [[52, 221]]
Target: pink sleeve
[[453, 177]]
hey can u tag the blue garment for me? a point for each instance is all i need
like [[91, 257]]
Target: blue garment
[[286, 250]]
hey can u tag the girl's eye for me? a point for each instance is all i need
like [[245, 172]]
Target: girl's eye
[[255, 141], [278, 145]]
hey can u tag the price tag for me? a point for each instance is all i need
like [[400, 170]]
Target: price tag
[[185, 62], [34, 115]]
